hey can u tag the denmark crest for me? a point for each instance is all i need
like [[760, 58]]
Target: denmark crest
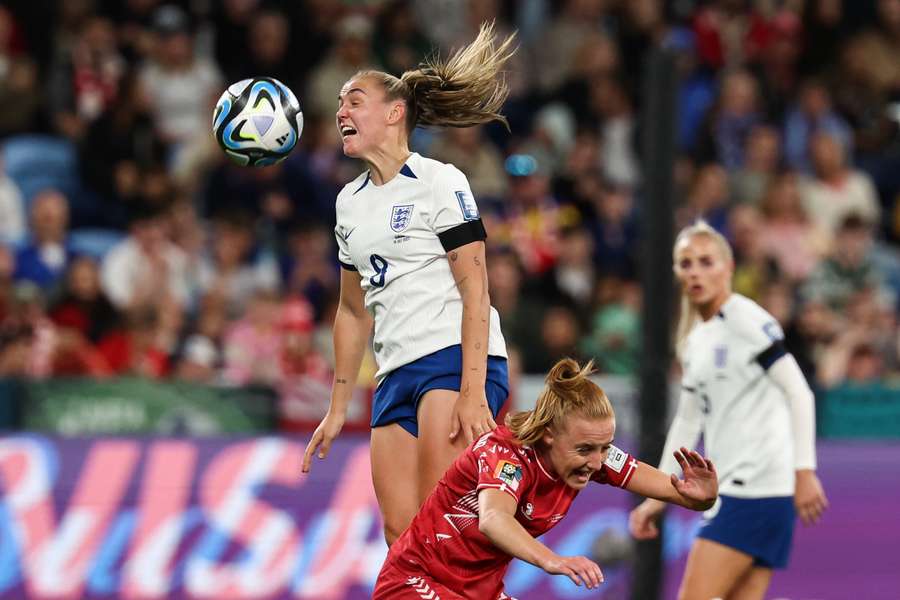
[[401, 215]]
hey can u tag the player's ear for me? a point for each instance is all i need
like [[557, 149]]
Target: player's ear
[[548, 436], [397, 112]]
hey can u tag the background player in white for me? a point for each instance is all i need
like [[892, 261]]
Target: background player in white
[[412, 246], [756, 412]]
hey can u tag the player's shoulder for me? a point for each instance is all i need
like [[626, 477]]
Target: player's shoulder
[[501, 441], [747, 319], [434, 171], [352, 187]]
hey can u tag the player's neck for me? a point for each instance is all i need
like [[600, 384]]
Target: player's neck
[[384, 164], [711, 309]]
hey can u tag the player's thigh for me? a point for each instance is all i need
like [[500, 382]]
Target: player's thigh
[[436, 451], [394, 475], [753, 585], [712, 570]]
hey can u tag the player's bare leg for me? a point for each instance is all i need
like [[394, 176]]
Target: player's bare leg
[[712, 571], [753, 586], [394, 464], [436, 451]]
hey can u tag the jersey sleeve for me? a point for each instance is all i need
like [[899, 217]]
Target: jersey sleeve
[[761, 332], [502, 468], [454, 215], [617, 469], [343, 249]]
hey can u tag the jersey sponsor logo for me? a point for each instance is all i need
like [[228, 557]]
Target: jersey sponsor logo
[[528, 510], [401, 215], [615, 459], [468, 206], [509, 473], [720, 356]]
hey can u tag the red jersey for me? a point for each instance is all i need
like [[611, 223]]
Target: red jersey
[[443, 541]]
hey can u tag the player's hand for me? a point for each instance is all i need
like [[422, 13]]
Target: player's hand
[[579, 569], [471, 417], [700, 485], [322, 437], [809, 497], [642, 520]]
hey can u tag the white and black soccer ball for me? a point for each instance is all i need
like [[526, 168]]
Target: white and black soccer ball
[[257, 122]]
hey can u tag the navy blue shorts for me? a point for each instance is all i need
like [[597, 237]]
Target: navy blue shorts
[[397, 398], [760, 527]]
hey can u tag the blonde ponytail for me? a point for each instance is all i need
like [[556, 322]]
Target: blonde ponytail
[[463, 90], [567, 390]]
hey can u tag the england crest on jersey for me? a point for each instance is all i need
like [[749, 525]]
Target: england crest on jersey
[[401, 215]]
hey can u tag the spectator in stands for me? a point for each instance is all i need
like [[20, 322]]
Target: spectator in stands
[[398, 43], [572, 276], [351, 53], [788, 234], [252, 346], [837, 189], [749, 183], [182, 87], [12, 209], [201, 357], [530, 218], [707, 199], [30, 340], [85, 81], [612, 107], [143, 348], [614, 335], [265, 50], [82, 307], [119, 149], [848, 269], [563, 38], [229, 268], [813, 113], [19, 93], [519, 308], [754, 268], [146, 268], [308, 268], [45, 258], [728, 124], [481, 162], [614, 225], [559, 334], [305, 380]]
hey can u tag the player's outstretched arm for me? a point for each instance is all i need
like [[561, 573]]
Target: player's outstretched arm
[[471, 414], [697, 490], [496, 520], [352, 327]]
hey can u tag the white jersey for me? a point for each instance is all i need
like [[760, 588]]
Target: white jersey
[[743, 414], [397, 236]]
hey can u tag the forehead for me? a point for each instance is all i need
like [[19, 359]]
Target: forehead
[[361, 85], [590, 431], [697, 245]]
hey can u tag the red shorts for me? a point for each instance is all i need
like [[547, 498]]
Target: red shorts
[[393, 583]]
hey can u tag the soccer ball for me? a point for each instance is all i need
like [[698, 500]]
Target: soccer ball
[[257, 122]]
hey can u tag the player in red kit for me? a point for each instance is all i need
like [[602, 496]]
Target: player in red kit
[[515, 483]]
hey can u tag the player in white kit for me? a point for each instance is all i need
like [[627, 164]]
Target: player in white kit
[[748, 397], [411, 244]]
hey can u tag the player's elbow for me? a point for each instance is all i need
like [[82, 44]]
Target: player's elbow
[[488, 522]]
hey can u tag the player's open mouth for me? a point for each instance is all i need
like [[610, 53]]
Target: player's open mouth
[[347, 131], [582, 474]]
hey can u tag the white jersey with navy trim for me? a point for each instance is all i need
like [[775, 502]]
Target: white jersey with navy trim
[[397, 236], [744, 415]]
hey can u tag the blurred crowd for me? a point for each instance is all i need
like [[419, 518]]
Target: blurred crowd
[[129, 245]]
